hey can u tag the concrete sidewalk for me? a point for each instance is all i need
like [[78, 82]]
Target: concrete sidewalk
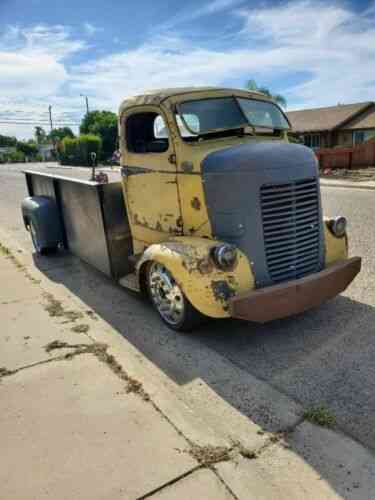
[[83, 415]]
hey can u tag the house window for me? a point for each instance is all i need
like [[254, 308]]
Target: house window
[[146, 133], [361, 136], [312, 140]]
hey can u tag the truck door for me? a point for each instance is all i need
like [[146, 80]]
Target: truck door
[[150, 177]]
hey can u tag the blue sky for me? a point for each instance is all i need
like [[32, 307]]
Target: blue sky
[[315, 53]]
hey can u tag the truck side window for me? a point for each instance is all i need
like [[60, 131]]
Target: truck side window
[[146, 133]]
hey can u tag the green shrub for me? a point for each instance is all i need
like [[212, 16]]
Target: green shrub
[[15, 157], [30, 150], [78, 151]]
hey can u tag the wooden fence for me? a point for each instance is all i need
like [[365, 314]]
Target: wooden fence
[[362, 155]]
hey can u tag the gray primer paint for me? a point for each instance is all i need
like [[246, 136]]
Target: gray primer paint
[[232, 179]]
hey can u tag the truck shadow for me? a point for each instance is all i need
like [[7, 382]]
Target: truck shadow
[[322, 358]]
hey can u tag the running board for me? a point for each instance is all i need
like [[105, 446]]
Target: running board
[[130, 281]]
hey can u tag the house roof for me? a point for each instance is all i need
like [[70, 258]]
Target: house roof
[[309, 120]]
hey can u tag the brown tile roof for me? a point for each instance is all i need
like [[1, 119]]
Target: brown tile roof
[[364, 120], [306, 120]]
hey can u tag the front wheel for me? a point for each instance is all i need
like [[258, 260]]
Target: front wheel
[[169, 300]]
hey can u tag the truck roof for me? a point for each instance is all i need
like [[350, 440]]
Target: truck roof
[[159, 95]]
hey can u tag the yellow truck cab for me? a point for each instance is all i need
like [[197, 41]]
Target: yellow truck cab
[[225, 214], [215, 213]]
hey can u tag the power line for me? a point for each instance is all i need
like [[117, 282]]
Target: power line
[[61, 124]]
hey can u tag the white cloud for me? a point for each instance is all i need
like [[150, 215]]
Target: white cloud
[[90, 29], [33, 73], [332, 46], [210, 7], [328, 40]]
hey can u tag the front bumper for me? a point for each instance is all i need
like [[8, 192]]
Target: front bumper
[[293, 297]]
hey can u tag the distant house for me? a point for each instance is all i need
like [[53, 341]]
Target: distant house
[[343, 125], [46, 151]]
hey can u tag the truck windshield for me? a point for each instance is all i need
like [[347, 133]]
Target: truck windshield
[[207, 116]]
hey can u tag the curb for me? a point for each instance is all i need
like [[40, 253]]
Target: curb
[[333, 184]]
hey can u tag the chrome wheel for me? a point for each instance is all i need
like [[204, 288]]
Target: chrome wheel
[[166, 294]]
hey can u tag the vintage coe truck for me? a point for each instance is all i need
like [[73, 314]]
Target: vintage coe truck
[[216, 214]]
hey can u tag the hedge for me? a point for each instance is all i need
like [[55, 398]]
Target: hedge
[[77, 151]]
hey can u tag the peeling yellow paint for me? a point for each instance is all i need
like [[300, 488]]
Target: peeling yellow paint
[[189, 261]]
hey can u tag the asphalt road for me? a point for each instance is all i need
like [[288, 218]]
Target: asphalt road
[[324, 357]]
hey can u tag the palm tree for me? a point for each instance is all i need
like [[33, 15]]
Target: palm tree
[[40, 135], [252, 86]]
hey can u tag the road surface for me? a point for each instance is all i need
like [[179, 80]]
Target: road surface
[[324, 357]]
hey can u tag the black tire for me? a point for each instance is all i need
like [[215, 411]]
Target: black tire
[[189, 317], [40, 250]]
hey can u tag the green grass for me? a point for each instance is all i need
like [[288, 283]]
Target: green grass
[[320, 415]]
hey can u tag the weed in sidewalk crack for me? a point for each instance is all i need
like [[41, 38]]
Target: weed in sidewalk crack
[[209, 455], [320, 415], [99, 350], [9, 255], [4, 372], [55, 309], [4, 250], [80, 328]]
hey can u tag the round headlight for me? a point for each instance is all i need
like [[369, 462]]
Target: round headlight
[[225, 256], [338, 226]]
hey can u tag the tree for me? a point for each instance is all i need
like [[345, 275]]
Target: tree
[[28, 149], [58, 134], [6, 141], [252, 86], [40, 135], [103, 124]]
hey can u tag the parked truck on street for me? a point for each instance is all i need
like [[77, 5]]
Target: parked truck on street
[[216, 214]]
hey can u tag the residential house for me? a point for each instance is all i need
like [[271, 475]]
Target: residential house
[[46, 151], [344, 125]]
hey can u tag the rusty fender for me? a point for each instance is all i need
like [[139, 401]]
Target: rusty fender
[[206, 287]]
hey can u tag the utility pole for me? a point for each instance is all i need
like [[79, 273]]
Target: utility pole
[[87, 103], [50, 116]]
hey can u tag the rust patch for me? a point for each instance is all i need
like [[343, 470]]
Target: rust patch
[[204, 266], [187, 167], [196, 203], [222, 290]]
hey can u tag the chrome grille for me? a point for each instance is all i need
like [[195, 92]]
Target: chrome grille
[[291, 228]]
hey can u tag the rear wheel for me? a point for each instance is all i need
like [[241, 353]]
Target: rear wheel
[[169, 300], [41, 250]]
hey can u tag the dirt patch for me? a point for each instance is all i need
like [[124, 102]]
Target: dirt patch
[[92, 315], [99, 350], [210, 455], [56, 310], [80, 328]]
